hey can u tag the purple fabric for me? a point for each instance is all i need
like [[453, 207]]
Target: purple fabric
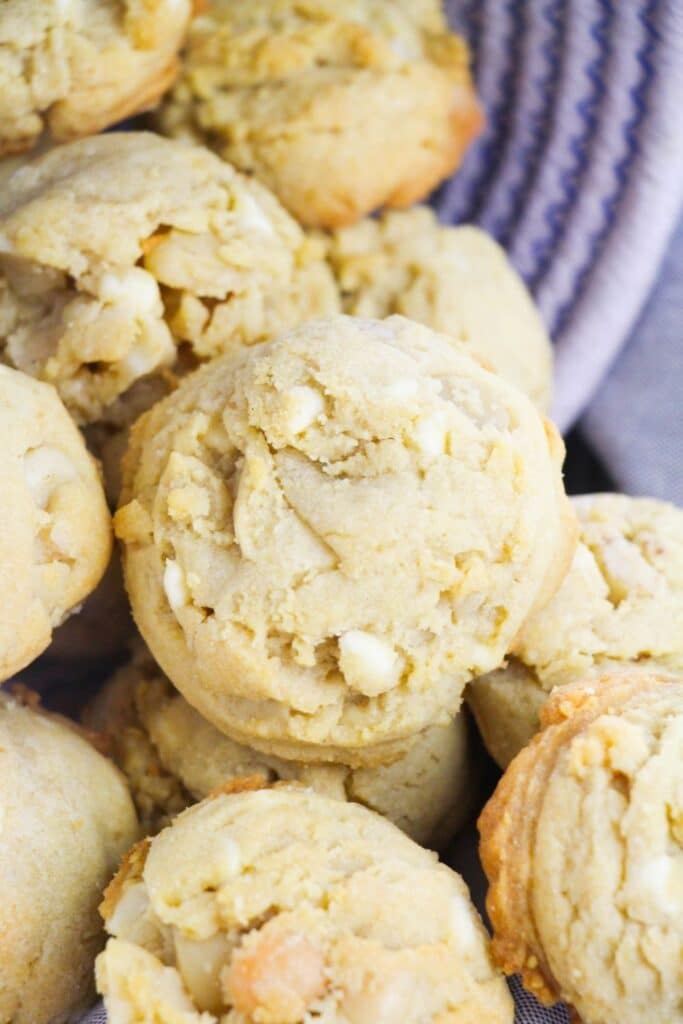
[[580, 171]]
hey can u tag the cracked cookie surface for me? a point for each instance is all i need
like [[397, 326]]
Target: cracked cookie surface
[[281, 905], [173, 757], [327, 536], [339, 108], [74, 68], [67, 819], [621, 605], [55, 529], [117, 252], [457, 280], [582, 844]]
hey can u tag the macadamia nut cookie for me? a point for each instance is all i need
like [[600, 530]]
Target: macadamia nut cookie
[[55, 530], [73, 68], [457, 280], [327, 536], [583, 847], [173, 757], [339, 108], [117, 250], [67, 819], [620, 606], [284, 906]]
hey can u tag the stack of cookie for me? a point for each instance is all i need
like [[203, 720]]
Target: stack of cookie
[[340, 512]]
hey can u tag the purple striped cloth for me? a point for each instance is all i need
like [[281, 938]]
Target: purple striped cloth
[[579, 174]]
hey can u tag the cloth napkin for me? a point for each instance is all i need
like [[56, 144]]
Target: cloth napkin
[[579, 174]]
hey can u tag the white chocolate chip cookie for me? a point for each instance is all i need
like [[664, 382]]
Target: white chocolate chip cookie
[[582, 844], [65, 821], [55, 530], [73, 67], [327, 536], [339, 108], [173, 757], [620, 606], [456, 280], [281, 906], [117, 250]]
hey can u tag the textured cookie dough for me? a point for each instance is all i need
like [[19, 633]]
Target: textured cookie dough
[[456, 280], [73, 68], [620, 606], [582, 844], [173, 757], [55, 530], [117, 250], [67, 819], [327, 536], [339, 108], [282, 906]]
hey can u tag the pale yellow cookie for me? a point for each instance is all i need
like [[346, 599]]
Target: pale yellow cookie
[[117, 250], [327, 536], [73, 67], [620, 606], [582, 844], [55, 530], [281, 906], [339, 108], [457, 280], [173, 757], [66, 819]]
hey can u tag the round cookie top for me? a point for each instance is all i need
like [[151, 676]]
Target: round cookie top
[[327, 536], [116, 250], [620, 606], [583, 847], [172, 757], [74, 68], [339, 108], [67, 819], [55, 529], [283, 905], [457, 280], [622, 600]]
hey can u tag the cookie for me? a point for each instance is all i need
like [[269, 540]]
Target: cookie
[[338, 108], [67, 819], [117, 251], [582, 844], [55, 529], [621, 605], [74, 68], [457, 280], [326, 536], [173, 757], [281, 905]]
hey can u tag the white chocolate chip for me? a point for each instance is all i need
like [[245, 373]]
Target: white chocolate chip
[[304, 405], [402, 388], [175, 585], [369, 664], [430, 434], [252, 215], [132, 905], [200, 962], [47, 468], [135, 288], [658, 880]]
